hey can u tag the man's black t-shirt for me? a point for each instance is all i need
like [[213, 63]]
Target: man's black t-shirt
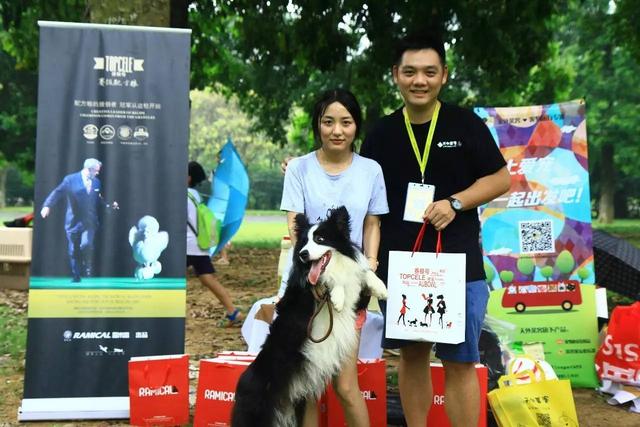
[[462, 151]]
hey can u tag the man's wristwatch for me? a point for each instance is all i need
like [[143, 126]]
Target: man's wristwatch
[[456, 204]]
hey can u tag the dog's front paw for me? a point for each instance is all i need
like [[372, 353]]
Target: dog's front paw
[[337, 298], [377, 287]]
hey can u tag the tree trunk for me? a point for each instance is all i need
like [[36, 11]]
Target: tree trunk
[[3, 186], [606, 211]]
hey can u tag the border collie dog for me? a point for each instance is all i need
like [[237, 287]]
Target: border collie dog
[[291, 368]]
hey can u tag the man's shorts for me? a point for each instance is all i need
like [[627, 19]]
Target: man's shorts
[[201, 264], [466, 351]]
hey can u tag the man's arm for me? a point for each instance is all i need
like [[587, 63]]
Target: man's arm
[[485, 189], [53, 197]]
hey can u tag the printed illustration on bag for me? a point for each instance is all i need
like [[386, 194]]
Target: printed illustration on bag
[[425, 298], [428, 310], [414, 283], [403, 311], [442, 309], [520, 295]]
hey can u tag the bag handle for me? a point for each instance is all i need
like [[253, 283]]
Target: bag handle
[[510, 380], [149, 380], [537, 368], [365, 364], [418, 243]]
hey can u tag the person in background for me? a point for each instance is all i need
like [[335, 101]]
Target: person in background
[[199, 258]]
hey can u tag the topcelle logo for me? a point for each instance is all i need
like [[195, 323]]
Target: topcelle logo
[[118, 66]]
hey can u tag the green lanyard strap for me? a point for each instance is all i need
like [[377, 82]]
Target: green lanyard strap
[[427, 147]]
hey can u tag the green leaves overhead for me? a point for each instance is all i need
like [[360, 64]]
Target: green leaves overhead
[[278, 54]]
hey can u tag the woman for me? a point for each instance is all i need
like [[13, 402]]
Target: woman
[[403, 310], [442, 308], [428, 309], [329, 177]]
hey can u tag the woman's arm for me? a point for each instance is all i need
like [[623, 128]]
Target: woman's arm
[[371, 240], [291, 226]]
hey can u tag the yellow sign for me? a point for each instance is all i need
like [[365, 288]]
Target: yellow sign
[[53, 303]]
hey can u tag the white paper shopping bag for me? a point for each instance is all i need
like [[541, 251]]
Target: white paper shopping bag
[[426, 296]]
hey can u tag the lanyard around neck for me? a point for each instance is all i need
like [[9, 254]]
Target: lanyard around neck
[[427, 147]]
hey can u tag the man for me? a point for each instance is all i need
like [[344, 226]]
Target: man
[[81, 190], [467, 170]]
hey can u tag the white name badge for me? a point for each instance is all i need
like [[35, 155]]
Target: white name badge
[[419, 196]]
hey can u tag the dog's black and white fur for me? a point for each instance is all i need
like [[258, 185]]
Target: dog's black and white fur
[[290, 367]]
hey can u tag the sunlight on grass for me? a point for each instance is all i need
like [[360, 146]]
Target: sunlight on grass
[[251, 212], [260, 234], [627, 229]]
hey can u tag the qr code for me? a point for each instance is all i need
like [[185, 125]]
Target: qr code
[[544, 420], [536, 237]]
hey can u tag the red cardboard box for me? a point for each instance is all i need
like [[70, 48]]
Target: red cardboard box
[[215, 396], [159, 390], [437, 414]]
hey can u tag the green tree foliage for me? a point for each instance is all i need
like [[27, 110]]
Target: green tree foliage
[[565, 262], [489, 272], [506, 276], [547, 272], [18, 79], [626, 18], [525, 265], [606, 65], [276, 54], [215, 119], [583, 274]]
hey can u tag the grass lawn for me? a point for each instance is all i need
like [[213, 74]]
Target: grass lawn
[[260, 234], [628, 229], [13, 330], [12, 212], [251, 212]]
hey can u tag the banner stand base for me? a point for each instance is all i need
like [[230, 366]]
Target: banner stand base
[[74, 408]]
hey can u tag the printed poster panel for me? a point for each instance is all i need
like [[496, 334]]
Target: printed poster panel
[[537, 238], [107, 274]]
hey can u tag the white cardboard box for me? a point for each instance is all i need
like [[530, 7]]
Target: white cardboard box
[[15, 257]]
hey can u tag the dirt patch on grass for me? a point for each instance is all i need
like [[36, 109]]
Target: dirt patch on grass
[[251, 275]]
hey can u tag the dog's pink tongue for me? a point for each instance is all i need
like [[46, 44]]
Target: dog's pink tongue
[[317, 267]]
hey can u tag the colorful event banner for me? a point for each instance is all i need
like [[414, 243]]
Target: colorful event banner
[[107, 273], [537, 238]]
